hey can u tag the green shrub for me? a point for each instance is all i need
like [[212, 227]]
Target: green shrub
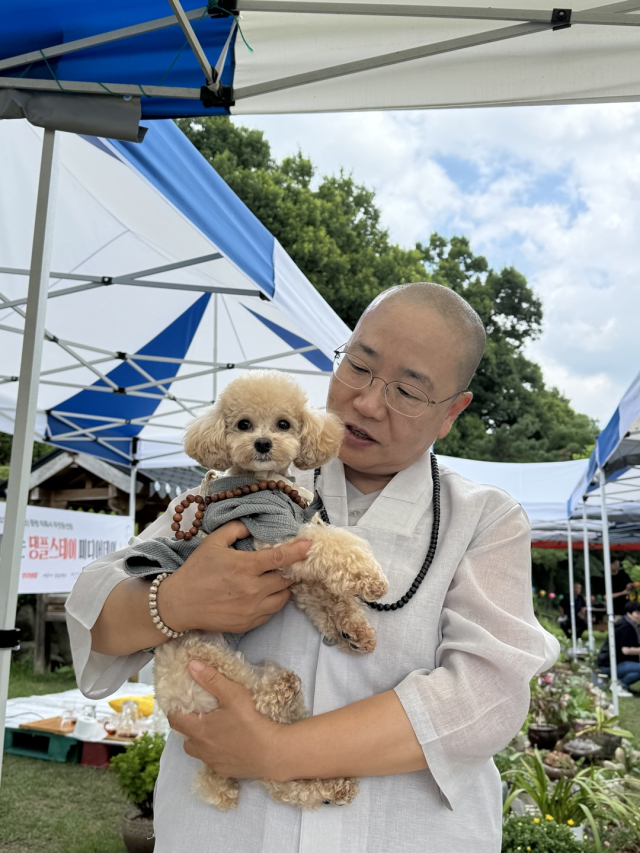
[[137, 770], [547, 836]]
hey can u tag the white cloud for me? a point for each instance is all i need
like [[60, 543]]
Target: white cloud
[[554, 191]]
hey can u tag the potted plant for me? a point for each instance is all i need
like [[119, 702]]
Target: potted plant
[[558, 765], [137, 770], [548, 712], [605, 733], [585, 796]]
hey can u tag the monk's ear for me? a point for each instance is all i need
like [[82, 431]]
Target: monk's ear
[[455, 408], [205, 440], [320, 439]]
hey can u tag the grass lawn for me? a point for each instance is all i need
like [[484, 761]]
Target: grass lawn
[[48, 807]]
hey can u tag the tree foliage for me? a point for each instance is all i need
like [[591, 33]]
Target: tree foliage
[[331, 229]]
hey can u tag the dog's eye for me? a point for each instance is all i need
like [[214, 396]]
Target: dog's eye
[[244, 424], [283, 424]]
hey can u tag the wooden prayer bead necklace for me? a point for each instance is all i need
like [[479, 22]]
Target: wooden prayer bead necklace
[[239, 491]]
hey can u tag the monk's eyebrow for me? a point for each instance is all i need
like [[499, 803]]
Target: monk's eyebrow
[[407, 371], [421, 377]]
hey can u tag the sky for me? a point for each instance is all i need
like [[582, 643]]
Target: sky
[[553, 191]]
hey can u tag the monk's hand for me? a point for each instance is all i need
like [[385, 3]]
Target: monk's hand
[[220, 589], [235, 739]]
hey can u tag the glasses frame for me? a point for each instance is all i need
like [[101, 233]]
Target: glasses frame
[[342, 351]]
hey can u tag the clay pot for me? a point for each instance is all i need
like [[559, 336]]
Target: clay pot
[[579, 748], [137, 832], [608, 743], [543, 735], [558, 772], [579, 725]]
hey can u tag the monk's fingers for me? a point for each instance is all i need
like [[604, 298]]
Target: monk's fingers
[[226, 535], [271, 582], [187, 724], [272, 604], [282, 555]]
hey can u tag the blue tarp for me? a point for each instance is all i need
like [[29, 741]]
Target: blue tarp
[[160, 58]]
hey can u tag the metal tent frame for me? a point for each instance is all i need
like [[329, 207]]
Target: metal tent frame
[[530, 22]]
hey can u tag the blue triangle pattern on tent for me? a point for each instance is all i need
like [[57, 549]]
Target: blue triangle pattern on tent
[[172, 342], [315, 356]]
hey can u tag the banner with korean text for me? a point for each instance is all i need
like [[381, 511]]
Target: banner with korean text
[[58, 543]]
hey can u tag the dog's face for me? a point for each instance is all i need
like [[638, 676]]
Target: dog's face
[[261, 422], [263, 441]]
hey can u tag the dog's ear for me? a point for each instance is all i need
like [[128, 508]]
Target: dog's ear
[[205, 440], [320, 439]]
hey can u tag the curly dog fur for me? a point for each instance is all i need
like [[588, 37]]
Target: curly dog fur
[[262, 424]]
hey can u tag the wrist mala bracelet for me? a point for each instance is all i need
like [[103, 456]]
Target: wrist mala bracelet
[[238, 492], [153, 609]]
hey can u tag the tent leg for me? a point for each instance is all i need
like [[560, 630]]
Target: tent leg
[[30, 365], [587, 574], [572, 598], [613, 663], [215, 346], [133, 489]]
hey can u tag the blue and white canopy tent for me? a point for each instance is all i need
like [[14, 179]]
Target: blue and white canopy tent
[[188, 58], [131, 354], [611, 478], [163, 287]]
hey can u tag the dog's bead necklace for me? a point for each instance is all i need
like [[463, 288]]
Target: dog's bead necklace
[[406, 598], [238, 492]]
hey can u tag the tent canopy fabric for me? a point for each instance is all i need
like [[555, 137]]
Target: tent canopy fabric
[[164, 287], [617, 454], [541, 489], [319, 55]]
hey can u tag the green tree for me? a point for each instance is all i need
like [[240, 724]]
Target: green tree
[[514, 416], [331, 228]]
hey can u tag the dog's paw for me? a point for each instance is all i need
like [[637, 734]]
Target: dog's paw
[[360, 638], [374, 587]]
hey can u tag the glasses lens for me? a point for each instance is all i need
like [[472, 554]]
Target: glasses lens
[[406, 399], [351, 370]]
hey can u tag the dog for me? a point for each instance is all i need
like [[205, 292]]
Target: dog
[[258, 428]]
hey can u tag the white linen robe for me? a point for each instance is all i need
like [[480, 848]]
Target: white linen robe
[[459, 656]]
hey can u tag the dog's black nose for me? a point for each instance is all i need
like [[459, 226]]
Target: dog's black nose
[[263, 445]]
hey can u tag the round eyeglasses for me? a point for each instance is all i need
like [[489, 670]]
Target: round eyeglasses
[[400, 396]]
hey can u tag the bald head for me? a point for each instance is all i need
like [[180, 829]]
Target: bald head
[[463, 321]]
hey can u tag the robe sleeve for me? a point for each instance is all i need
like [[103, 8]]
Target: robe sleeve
[[100, 675], [476, 699]]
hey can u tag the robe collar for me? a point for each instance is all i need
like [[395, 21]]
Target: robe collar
[[398, 508]]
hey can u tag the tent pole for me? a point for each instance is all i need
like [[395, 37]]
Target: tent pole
[[613, 663], [572, 598], [133, 481], [215, 346], [587, 572], [133, 486], [30, 364]]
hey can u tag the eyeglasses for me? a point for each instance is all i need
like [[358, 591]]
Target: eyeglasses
[[402, 398]]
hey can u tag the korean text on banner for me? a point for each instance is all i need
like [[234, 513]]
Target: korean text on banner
[[58, 543]]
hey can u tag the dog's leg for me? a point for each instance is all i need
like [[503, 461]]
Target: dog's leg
[[311, 793], [341, 618], [216, 790], [277, 694], [342, 561]]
